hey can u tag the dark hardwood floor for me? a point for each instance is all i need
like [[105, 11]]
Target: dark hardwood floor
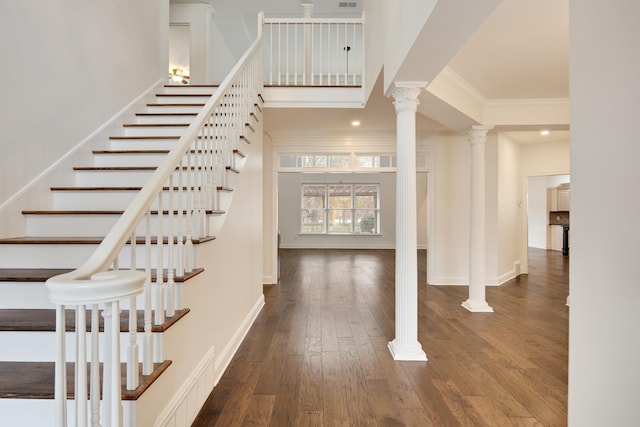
[[317, 354]]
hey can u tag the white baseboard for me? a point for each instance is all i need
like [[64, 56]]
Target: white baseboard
[[449, 281], [330, 245], [504, 278], [188, 400], [464, 281], [227, 353]]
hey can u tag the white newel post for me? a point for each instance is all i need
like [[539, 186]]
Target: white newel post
[[477, 259], [405, 346]]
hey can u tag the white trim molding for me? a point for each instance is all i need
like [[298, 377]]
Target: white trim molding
[[195, 390]]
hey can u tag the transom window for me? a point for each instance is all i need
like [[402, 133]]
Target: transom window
[[340, 209], [338, 161]]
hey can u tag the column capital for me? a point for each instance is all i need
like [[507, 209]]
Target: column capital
[[406, 95], [478, 133]]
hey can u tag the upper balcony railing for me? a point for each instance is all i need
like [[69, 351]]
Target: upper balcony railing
[[314, 51]]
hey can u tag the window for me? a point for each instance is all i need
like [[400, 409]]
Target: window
[[340, 209], [337, 161]]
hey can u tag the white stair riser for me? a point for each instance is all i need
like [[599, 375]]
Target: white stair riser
[[131, 178], [188, 89], [73, 255], [24, 295], [91, 225], [38, 346], [124, 159], [34, 295], [142, 144], [41, 412], [182, 99], [129, 159], [153, 130], [31, 412], [114, 178], [144, 119], [173, 109], [106, 200]]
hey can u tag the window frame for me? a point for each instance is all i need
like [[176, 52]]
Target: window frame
[[355, 212]]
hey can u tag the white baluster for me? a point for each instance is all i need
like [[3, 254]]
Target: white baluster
[[81, 366], [188, 261], [147, 349], [170, 290], [132, 350], [95, 366], [108, 373], [347, 48], [295, 54], [270, 54], [159, 288], [114, 345], [338, 54], [320, 52], [355, 50], [180, 242], [60, 369]]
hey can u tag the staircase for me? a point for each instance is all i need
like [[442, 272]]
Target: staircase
[[165, 250]]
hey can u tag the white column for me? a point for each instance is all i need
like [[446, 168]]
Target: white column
[[405, 346], [477, 257]]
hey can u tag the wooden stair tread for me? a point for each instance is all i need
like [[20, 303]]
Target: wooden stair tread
[[130, 151], [173, 104], [42, 274], [138, 137], [212, 85], [44, 320], [92, 212], [115, 168], [35, 380], [126, 169], [184, 94], [154, 125], [82, 240], [165, 114], [30, 274], [113, 189]]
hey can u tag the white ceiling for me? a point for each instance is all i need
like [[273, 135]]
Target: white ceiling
[[520, 52]]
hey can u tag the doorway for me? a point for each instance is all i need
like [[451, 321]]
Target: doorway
[[539, 233], [179, 53]]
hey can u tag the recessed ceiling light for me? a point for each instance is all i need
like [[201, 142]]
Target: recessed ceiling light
[[544, 132], [355, 123]]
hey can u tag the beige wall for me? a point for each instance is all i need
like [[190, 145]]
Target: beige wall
[[68, 68], [604, 343]]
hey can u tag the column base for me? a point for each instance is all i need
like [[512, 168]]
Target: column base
[[409, 352], [477, 307]]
